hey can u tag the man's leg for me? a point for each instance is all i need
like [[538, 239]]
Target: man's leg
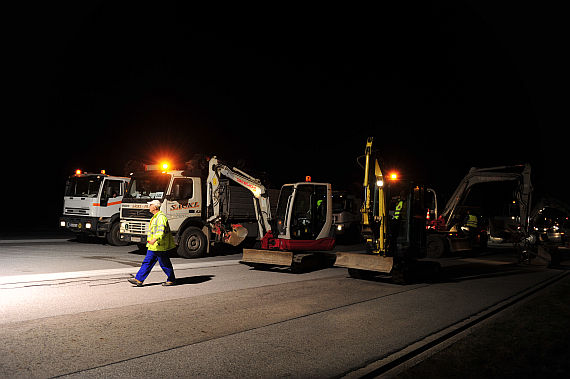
[[147, 265], [166, 265]]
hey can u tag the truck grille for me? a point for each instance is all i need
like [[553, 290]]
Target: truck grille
[[136, 213], [76, 211], [138, 227]]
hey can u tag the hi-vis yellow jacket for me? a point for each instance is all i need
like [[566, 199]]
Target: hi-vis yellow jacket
[[160, 230], [471, 221]]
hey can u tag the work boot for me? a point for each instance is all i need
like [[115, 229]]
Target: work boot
[[166, 284], [135, 282]]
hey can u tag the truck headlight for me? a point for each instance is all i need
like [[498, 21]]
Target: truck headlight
[[62, 223], [87, 225]]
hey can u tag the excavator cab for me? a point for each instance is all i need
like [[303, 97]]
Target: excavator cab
[[302, 226], [304, 211], [303, 220]]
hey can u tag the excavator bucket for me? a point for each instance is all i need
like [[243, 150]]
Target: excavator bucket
[[236, 236]]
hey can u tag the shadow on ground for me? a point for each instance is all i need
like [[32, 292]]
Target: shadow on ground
[[198, 279]]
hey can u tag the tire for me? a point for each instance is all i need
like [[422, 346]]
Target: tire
[[193, 243], [435, 246], [113, 236]]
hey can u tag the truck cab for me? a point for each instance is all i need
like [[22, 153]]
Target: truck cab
[[346, 217], [181, 198], [91, 205]]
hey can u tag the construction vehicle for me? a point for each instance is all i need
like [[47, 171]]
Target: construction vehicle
[[346, 217], [447, 232], [393, 224], [196, 223], [91, 205], [302, 222]]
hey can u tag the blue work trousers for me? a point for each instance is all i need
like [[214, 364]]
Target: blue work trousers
[[150, 260]]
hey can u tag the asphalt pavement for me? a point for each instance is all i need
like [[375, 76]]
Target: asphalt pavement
[[223, 319]]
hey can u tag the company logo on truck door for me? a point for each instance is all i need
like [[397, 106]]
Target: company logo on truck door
[[175, 207]]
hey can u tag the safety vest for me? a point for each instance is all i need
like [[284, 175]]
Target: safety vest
[[398, 209], [159, 229], [471, 221]]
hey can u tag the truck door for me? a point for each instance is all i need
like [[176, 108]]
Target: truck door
[[111, 197], [182, 202]]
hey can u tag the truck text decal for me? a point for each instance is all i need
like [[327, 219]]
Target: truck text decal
[[175, 207]]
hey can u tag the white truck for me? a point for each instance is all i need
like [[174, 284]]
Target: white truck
[[91, 205], [183, 196]]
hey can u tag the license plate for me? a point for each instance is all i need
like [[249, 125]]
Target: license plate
[[71, 225], [136, 239]]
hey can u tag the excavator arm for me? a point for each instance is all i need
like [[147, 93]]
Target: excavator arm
[[520, 173], [260, 196], [374, 205]]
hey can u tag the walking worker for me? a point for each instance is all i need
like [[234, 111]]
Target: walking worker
[[159, 242]]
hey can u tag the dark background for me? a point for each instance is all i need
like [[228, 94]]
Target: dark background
[[284, 89]]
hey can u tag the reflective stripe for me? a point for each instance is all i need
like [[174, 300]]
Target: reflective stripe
[[398, 209], [108, 204]]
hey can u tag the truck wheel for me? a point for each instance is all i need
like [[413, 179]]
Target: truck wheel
[[192, 243], [435, 246], [113, 236]]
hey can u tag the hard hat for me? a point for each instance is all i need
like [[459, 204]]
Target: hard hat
[[156, 203]]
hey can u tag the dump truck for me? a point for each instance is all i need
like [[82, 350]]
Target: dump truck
[[198, 216], [91, 205]]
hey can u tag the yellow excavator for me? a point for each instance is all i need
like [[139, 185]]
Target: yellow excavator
[[393, 224]]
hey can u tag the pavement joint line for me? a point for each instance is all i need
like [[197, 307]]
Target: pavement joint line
[[396, 362], [17, 279], [39, 240]]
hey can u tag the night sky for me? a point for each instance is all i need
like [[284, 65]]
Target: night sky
[[286, 89]]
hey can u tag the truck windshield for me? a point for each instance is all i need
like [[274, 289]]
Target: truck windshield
[[148, 186], [86, 186]]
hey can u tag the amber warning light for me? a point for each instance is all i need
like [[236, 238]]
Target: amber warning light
[[307, 178], [393, 176], [78, 172]]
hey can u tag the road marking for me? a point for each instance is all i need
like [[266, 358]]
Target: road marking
[[116, 271]]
